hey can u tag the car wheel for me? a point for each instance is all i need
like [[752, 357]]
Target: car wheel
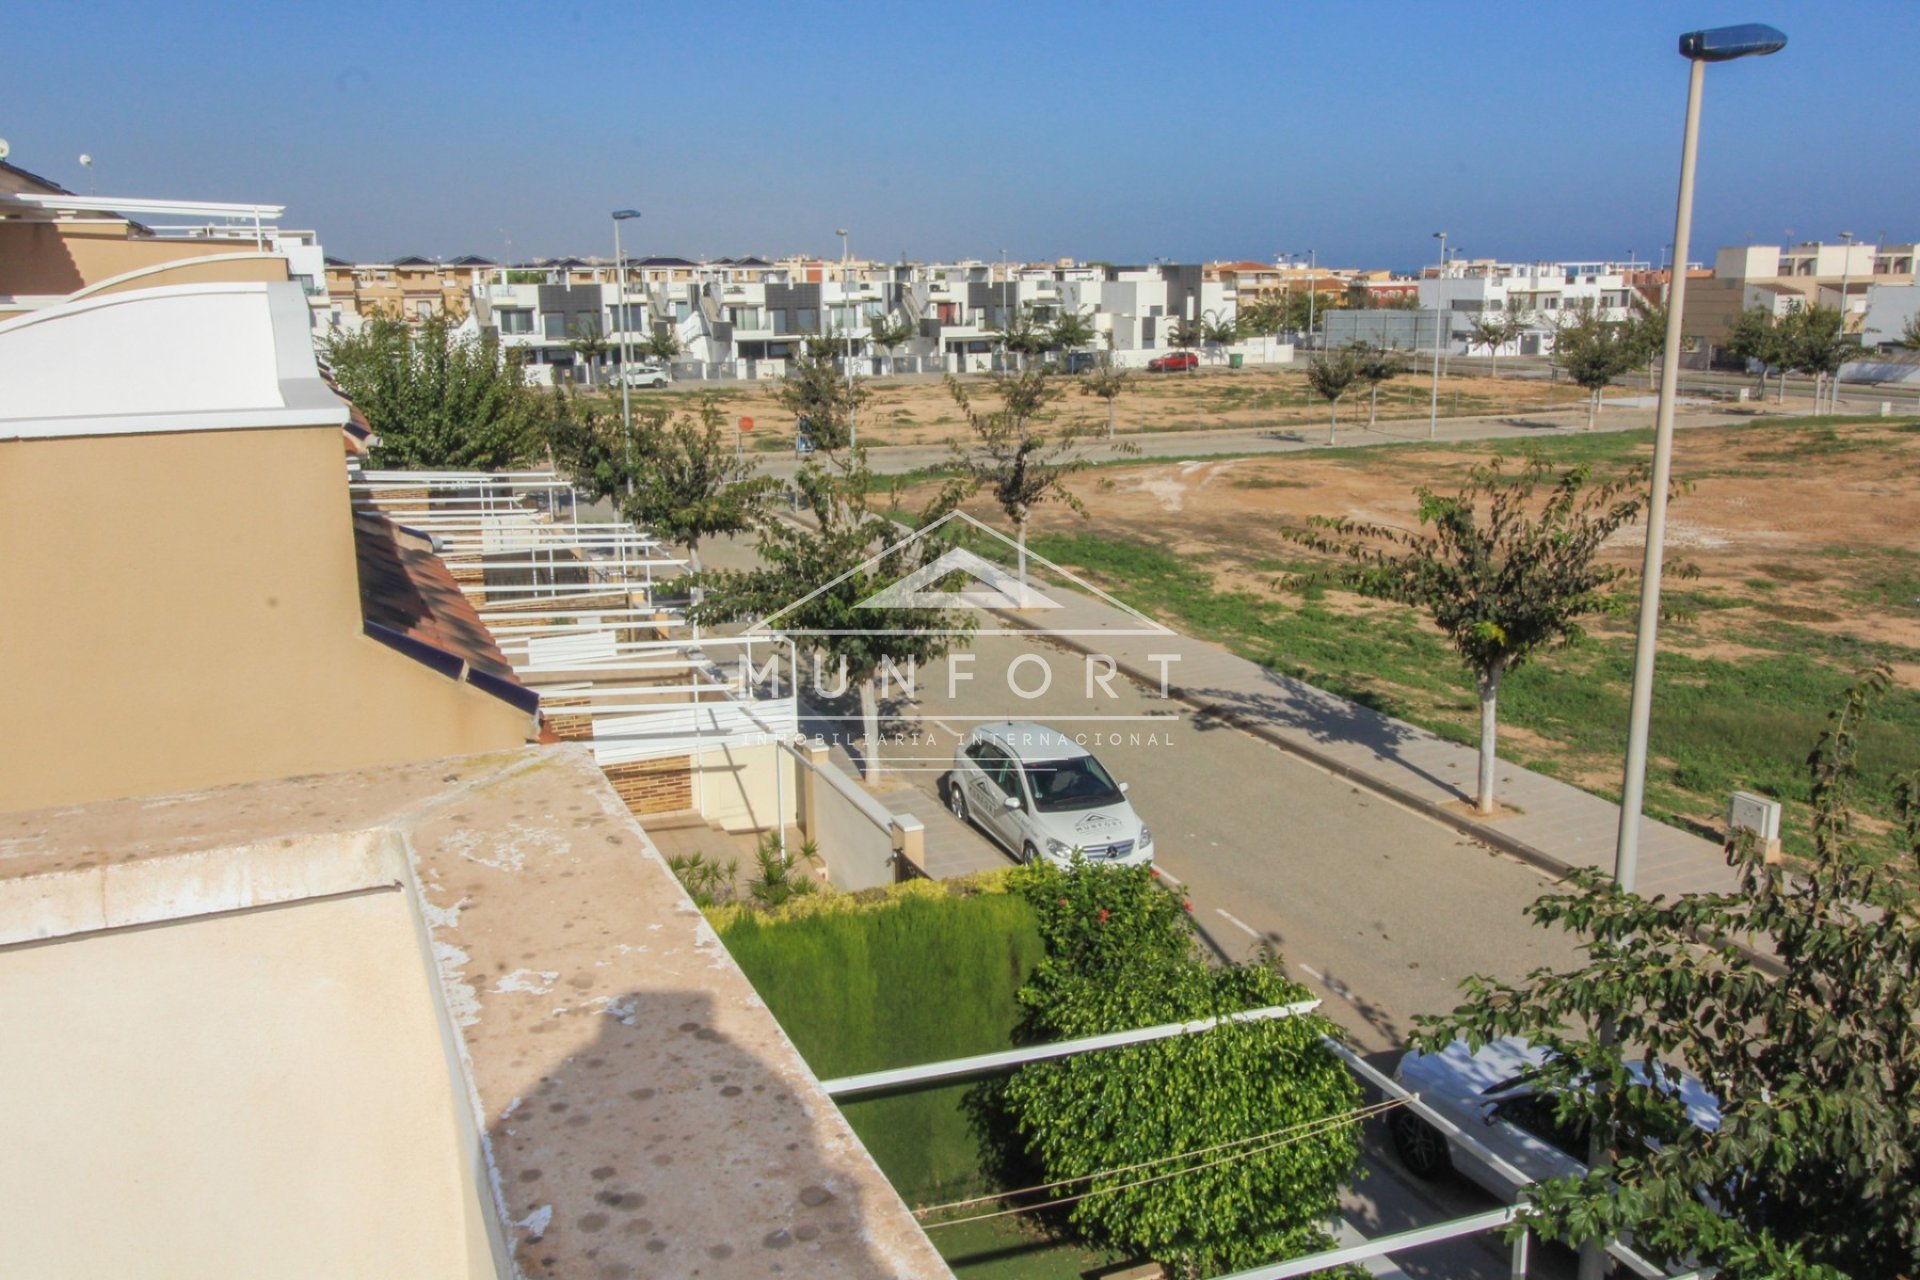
[[1029, 854], [1422, 1148], [957, 800]]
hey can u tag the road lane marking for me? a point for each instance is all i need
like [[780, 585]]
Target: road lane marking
[[1165, 874], [1238, 923]]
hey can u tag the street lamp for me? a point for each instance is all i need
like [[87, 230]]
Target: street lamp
[[1313, 287], [1720, 44], [620, 314], [853, 425], [1846, 278], [1433, 405]]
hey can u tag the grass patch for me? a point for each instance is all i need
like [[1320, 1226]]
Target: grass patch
[[911, 978], [1718, 724]]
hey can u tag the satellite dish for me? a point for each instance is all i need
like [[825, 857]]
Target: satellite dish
[[4, 149], [86, 160]]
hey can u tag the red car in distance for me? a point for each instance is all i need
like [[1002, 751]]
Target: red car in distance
[[1175, 363]]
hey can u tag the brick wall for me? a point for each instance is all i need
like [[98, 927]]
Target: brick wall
[[653, 786]]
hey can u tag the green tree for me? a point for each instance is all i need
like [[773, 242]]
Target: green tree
[[1220, 332], [1022, 336], [1209, 1152], [663, 344], [889, 334], [1647, 331], [1264, 319], [817, 392], [1594, 351], [437, 398], [1503, 573], [816, 576], [1013, 455], [1332, 374], [1910, 334], [1755, 335], [588, 343], [1108, 382], [1373, 365], [1812, 1054], [1817, 344], [1186, 335], [1072, 331], [1489, 332], [680, 477]]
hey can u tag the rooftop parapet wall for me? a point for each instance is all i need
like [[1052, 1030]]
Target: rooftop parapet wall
[[635, 1107]]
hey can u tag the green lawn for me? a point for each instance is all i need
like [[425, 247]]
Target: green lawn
[[1718, 724], [914, 979], [898, 979]]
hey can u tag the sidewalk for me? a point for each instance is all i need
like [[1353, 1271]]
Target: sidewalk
[[1558, 826]]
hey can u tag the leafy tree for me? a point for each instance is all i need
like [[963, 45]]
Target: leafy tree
[[817, 391], [588, 343], [663, 344], [680, 477], [1022, 336], [437, 398], [1594, 351], [1012, 454], [1490, 332], [1817, 343], [1373, 365], [816, 576], [1910, 334], [1109, 382], [1813, 1056], [1210, 1152], [1648, 332], [1263, 319], [1220, 332], [1506, 576], [1186, 335], [1072, 331], [1331, 374], [889, 334], [1755, 335]]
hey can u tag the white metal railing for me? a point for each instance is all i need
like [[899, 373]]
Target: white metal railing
[[563, 598]]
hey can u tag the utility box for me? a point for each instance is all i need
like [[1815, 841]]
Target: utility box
[[1757, 814]]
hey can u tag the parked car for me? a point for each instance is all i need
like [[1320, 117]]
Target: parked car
[[1492, 1095], [1043, 795], [1083, 361], [1174, 363], [647, 375]]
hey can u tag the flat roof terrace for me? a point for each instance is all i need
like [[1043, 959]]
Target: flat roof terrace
[[412, 1020]]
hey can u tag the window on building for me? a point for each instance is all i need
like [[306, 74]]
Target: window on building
[[744, 317], [781, 320], [423, 308], [1156, 310], [806, 320], [513, 320], [554, 326], [681, 309], [845, 318]]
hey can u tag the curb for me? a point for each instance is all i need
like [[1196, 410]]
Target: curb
[[1558, 868]]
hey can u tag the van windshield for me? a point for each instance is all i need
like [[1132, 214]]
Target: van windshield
[[1079, 783]]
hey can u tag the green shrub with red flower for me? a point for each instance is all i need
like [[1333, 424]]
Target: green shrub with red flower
[[1121, 954]]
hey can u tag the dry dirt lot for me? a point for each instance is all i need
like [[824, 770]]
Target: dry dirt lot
[[1806, 536], [920, 410]]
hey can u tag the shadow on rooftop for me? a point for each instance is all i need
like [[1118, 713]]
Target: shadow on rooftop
[[665, 1147]]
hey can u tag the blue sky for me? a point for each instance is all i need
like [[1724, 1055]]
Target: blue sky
[[1114, 130]]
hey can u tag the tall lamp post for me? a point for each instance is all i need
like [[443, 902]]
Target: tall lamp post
[[853, 425], [1846, 278], [1313, 287], [1433, 403], [620, 315], [1719, 44]]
